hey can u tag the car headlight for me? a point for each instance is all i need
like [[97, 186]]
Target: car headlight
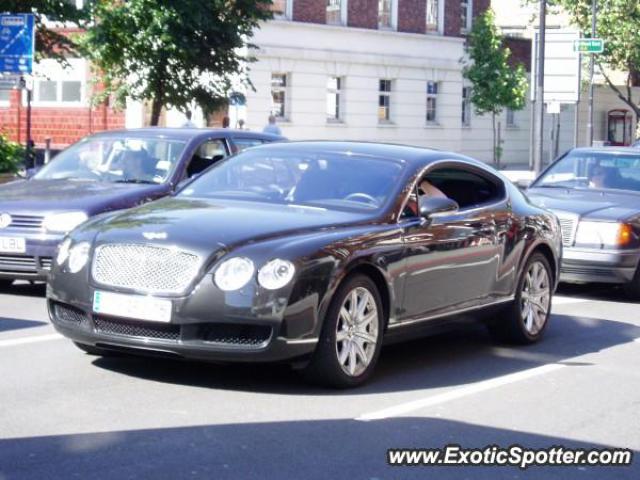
[[233, 274], [63, 251], [276, 274], [78, 256], [64, 222], [605, 234]]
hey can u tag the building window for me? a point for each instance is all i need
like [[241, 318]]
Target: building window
[[466, 106], [334, 99], [433, 16], [385, 14], [384, 101], [432, 102], [336, 12], [466, 15], [279, 95], [281, 9], [511, 118], [53, 91], [5, 95]]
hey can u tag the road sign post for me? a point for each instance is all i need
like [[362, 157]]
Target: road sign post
[[588, 45]]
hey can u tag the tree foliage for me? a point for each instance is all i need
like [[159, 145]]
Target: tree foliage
[[172, 53], [618, 24], [11, 155], [495, 83], [49, 42]]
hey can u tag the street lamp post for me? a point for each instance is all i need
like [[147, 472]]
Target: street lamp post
[[592, 61], [539, 103]]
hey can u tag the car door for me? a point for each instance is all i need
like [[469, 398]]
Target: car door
[[452, 259]]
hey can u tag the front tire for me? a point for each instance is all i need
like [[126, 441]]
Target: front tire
[[632, 289], [351, 336], [525, 319]]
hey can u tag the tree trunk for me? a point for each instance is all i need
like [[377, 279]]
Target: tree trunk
[[493, 123], [156, 110]]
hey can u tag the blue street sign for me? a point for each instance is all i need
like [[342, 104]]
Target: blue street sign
[[17, 42]]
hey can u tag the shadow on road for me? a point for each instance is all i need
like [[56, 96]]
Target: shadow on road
[[456, 358], [7, 324], [25, 289], [323, 449], [599, 291]]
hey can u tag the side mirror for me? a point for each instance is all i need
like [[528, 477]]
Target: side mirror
[[432, 205]]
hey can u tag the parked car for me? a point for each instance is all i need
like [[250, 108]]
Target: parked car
[[312, 252], [595, 192], [101, 173]]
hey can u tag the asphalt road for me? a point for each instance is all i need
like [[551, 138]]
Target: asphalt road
[[65, 414]]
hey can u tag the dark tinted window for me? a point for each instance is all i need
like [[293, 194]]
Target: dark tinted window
[[468, 188]]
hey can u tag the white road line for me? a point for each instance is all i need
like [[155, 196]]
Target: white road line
[[477, 387], [560, 300], [25, 340]]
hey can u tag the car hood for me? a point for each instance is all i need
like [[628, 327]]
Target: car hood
[[597, 205], [204, 224], [37, 196]]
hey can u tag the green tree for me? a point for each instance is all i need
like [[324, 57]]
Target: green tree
[[172, 53], [495, 84], [49, 42], [617, 24]]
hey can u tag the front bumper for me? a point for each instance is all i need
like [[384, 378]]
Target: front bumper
[[603, 266], [248, 339], [35, 263]]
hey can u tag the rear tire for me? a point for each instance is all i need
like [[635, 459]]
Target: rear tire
[[525, 319], [351, 336], [92, 350]]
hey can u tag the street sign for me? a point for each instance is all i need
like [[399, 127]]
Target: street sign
[[588, 45], [17, 43], [561, 66]]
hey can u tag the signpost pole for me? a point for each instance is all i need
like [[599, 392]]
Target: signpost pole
[[539, 136], [592, 62], [28, 152]]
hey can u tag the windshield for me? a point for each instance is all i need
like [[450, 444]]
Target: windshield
[[594, 170], [118, 159], [328, 180]]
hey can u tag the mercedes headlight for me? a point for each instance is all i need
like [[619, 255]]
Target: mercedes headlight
[[276, 274], [78, 256], [63, 251], [64, 222], [233, 274], [604, 234]]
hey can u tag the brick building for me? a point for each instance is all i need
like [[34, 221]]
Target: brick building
[[61, 106]]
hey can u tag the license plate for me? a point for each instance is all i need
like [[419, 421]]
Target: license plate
[[136, 307], [12, 245]]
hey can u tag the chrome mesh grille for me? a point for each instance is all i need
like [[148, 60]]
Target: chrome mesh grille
[[568, 226], [144, 268], [140, 329]]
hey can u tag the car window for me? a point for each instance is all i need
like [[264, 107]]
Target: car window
[[116, 158], [210, 152], [244, 143], [297, 177], [594, 170], [470, 189]]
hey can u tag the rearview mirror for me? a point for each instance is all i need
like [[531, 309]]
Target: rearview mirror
[[432, 205]]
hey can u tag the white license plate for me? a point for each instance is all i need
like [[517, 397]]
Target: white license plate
[[136, 307], [12, 245]]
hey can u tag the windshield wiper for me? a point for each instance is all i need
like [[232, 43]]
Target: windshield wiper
[[136, 180]]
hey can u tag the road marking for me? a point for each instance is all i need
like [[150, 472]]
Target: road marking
[[25, 340], [560, 300], [477, 387]]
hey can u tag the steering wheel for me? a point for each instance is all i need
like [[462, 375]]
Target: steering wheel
[[359, 197]]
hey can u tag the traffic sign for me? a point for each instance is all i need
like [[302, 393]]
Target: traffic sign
[[588, 45], [17, 43], [561, 66]]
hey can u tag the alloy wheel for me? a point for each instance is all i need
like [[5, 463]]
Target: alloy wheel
[[535, 298], [357, 331]]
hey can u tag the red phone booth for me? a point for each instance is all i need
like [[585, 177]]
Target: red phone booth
[[619, 127]]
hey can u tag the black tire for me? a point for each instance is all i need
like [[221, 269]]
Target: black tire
[[92, 350], [325, 367], [509, 325], [5, 283], [632, 289]]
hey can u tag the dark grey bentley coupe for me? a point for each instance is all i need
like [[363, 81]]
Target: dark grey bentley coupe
[[312, 253]]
